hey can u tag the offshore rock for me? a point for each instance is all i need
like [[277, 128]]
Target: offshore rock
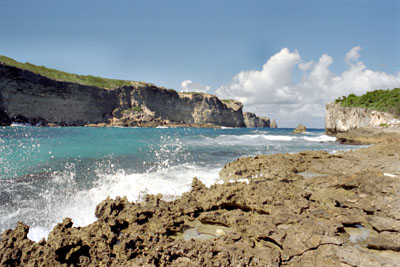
[[300, 129], [305, 209]]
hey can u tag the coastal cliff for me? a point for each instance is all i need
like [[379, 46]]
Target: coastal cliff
[[29, 97], [253, 121], [150, 105], [342, 119]]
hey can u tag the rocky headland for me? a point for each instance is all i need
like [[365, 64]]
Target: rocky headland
[[343, 119], [356, 125], [30, 97]]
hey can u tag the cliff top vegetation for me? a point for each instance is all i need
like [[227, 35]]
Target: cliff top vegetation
[[68, 77], [382, 100]]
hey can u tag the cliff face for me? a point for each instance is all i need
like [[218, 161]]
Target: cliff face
[[342, 119], [273, 124], [29, 97], [186, 108], [252, 121]]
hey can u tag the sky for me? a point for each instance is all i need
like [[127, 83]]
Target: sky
[[282, 59]]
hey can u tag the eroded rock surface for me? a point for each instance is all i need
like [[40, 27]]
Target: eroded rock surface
[[346, 214], [251, 120], [300, 129], [342, 119]]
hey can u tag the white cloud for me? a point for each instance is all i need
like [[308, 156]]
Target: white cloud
[[353, 55], [306, 65], [189, 86], [272, 92]]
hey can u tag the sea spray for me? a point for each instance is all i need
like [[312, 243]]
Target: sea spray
[[48, 174]]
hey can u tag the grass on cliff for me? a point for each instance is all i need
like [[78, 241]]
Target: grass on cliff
[[65, 76], [382, 100]]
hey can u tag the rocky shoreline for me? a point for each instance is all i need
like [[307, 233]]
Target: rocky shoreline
[[305, 209]]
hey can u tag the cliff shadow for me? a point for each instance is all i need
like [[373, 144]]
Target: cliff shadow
[[4, 118]]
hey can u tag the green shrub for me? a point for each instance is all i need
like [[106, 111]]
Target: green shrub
[[138, 109], [382, 100]]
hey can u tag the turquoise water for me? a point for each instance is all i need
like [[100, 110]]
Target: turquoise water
[[47, 174]]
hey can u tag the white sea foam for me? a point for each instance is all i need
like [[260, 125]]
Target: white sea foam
[[321, 138], [80, 206], [16, 124], [278, 137], [248, 138]]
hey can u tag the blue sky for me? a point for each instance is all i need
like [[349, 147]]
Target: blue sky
[[209, 42]]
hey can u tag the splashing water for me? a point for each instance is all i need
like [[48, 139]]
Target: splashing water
[[47, 174]]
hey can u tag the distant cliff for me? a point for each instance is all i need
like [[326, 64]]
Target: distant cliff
[[251, 120], [26, 96], [342, 119]]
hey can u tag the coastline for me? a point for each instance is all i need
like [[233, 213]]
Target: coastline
[[292, 209]]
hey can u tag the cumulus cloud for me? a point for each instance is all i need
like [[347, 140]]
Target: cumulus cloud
[[189, 86], [352, 55], [272, 91]]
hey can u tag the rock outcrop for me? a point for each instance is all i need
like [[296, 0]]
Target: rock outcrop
[[251, 120], [300, 129], [304, 209], [273, 124], [343, 119], [29, 97]]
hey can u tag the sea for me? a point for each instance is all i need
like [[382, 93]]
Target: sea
[[47, 174]]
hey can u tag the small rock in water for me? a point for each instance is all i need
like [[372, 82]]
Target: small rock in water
[[300, 129]]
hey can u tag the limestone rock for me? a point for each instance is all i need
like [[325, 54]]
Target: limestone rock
[[251, 120], [342, 119], [300, 129], [273, 124], [31, 98]]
